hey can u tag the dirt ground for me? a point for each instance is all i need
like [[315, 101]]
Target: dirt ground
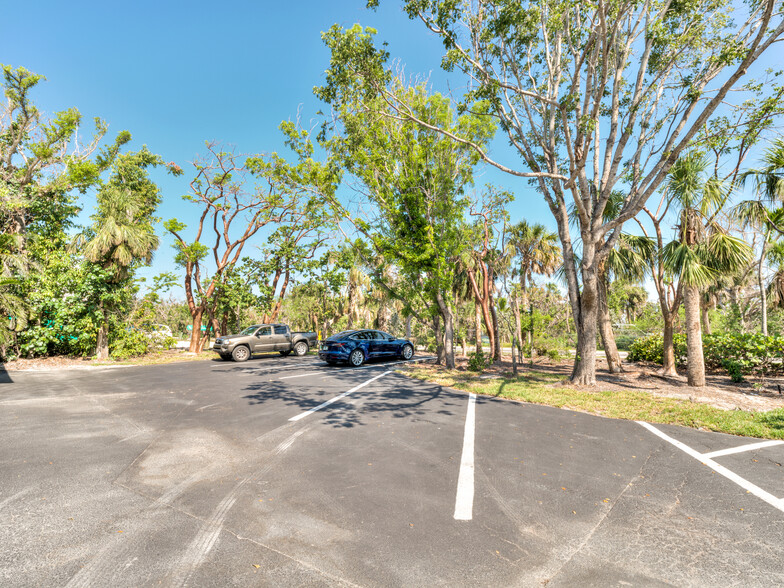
[[65, 362], [755, 394]]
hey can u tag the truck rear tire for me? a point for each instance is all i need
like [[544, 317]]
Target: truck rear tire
[[301, 348]]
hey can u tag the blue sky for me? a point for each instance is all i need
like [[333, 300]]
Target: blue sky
[[177, 74]]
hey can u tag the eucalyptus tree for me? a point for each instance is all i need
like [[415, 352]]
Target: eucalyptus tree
[[536, 252], [593, 97], [702, 250], [415, 181]]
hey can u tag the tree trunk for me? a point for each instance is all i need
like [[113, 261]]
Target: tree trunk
[[408, 327], [606, 330], [706, 326], [102, 345], [584, 372], [496, 332], [696, 363], [668, 347], [449, 331], [763, 293], [477, 328], [518, 327], [439, 339], [196, 341]]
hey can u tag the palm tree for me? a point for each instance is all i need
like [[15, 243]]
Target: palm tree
[[538, 252], [703, 249], [122, 236], [769, 186], [626, 263]]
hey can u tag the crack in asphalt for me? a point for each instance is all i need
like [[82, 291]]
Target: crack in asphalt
[[600, 522]]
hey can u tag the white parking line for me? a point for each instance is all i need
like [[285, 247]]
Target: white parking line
[[742, 448], [338, 397], [464, 501], [300, 375], [719, 469]]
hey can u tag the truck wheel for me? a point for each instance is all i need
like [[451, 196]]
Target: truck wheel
[[407, 353], [285, 353], [301, 348], [240, 353], [357, 358]]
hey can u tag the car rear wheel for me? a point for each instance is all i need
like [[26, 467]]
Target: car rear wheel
[[407, 353], [240, 353], [357, 358], [301, 348]]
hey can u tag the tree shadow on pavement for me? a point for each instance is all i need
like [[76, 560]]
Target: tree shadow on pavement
[[5, 377], [404, 399]]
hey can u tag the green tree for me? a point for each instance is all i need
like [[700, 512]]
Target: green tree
[[537, 252], [703, 248], [766, 212], [415, 179], [239, 196], [593, 97], [122, 236]]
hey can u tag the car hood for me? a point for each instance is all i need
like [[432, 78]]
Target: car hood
[[229, 337]]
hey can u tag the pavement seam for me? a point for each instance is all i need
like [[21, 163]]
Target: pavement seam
[[599, 523]]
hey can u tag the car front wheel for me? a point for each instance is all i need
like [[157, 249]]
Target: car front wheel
[[357, 358], [240, 353], [301, 348], [407, 353]]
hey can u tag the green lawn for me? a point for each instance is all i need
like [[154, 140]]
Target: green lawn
[[543, 388]]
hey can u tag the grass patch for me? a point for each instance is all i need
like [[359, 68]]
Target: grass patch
[[543, 388]]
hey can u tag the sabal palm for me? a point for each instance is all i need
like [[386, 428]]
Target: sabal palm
[[765, 211], [119, 240], [703, 250]]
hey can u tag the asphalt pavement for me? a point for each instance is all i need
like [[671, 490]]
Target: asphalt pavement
[[288, 472]]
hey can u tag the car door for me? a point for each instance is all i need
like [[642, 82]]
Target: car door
[[263, 341], [280, 338], [377, 344], [388, 344]]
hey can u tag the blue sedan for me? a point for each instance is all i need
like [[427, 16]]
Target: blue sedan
[[355, 347]]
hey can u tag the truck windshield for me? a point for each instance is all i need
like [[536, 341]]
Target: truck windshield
[[250, 330]]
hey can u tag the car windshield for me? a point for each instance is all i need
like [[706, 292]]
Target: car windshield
[[250, 330]]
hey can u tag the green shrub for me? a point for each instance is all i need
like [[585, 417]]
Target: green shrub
[[651, 348], [734, 369], [553, 355], [477, 361], [129, 343], [749, 353]]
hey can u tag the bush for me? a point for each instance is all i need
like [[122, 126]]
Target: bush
[[651, 348], [477, 361], [749, 353], [128, 343]]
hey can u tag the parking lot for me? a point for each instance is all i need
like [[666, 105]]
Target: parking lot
[[288, 472]]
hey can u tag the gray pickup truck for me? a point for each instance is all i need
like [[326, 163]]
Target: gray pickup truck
[[263, 339]]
